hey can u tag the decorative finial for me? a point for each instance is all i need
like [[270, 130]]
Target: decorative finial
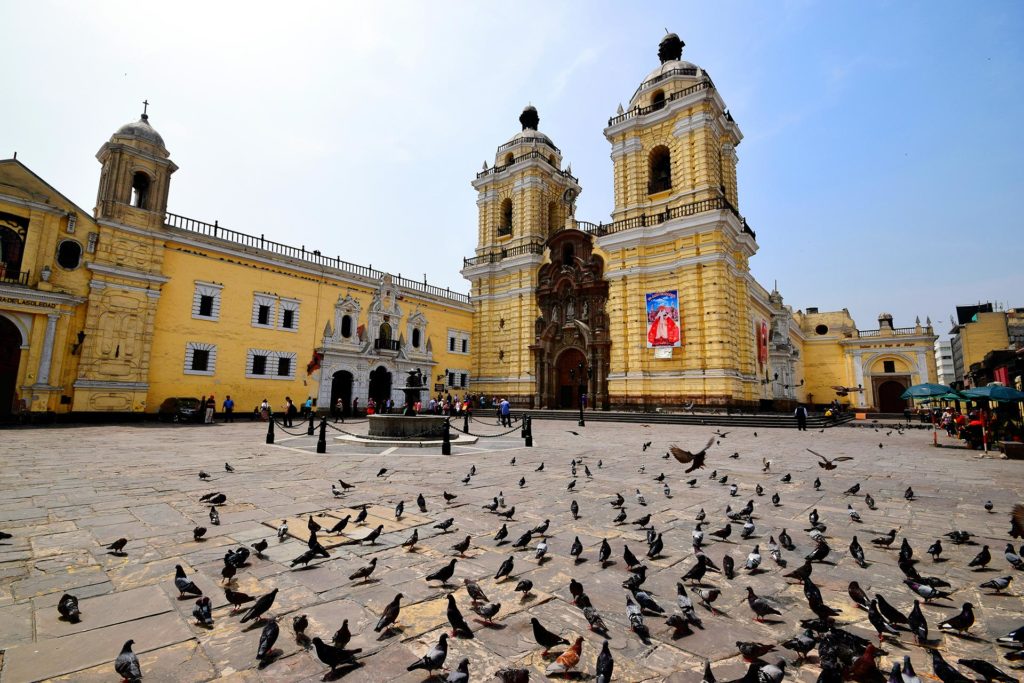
[[620, 110], [917, 321], [145, 106], [485, 164]]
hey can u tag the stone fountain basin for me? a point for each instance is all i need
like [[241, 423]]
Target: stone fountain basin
[[407, 427]]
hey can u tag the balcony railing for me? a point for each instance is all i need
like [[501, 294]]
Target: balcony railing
[[387, 344], [644, 220], [896, 331], [681, 71], [496, 256], [705, 84], [528, 141], [301, 253], [13, 277], [526, 157]]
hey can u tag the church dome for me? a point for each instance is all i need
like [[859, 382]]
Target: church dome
[[670, 54], [141, 130], [530, 121]]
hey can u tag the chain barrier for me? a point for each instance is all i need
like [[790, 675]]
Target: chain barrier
[[513, 418], [281, 427], [485, 436], [372, 437]]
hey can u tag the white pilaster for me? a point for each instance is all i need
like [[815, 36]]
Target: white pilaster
[[43, 375]]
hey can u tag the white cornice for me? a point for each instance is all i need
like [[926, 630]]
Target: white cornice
[[127, 273], [510, 294], [38, 297], [38, 206]]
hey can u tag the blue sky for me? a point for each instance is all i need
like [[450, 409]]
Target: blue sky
[[879, 166]]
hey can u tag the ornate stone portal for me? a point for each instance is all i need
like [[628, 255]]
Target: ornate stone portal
[[571, 343]]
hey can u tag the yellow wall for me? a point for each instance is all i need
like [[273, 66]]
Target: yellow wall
[[983, 335]]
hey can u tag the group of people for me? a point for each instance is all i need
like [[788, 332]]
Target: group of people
[[209, 406], [979, 425]]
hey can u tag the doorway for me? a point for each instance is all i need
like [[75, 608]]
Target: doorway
[[10, 357], [888, 394], [380, 386], [571, 370], [341, 387]]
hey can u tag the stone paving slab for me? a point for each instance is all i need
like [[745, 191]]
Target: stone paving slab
[[102, 611]]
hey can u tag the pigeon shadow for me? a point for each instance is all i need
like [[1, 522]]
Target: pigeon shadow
[[338, 673], [491, 625], [996, 594], [269, 659], [390, 632], [966, 636], [772, 622]]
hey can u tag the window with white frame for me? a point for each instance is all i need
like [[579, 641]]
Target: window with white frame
[[263, 310], [266, 364], [458, 341], [206, 301], [200, 358], [458, 378], [288, 314]]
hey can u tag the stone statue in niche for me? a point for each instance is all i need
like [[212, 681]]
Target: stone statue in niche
[[570, 309], [586, 309]]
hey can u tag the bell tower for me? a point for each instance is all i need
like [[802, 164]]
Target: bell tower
[[523, 199], [677, 235], [136, 175]]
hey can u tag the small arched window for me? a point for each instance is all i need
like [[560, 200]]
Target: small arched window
[[384, 333], [416, 337], [509, 158], [69, 254], [346, 326], [658, 100], [505, 222], [660, 167], [140, 190]]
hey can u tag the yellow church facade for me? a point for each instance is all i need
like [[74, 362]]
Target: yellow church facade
[[117, 309]]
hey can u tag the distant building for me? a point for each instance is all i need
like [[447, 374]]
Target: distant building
[[979, 330], [944, 367]]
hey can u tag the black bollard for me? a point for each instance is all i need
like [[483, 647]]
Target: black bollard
[[321, 444], [270, 429], [522, 430], [446, 441], [309, 430], [465, 423], [582, 422], [529, 430]]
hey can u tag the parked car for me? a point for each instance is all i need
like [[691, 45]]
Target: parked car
[[181, 409]]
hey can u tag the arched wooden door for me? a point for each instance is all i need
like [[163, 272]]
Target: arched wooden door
[[10, 357], [571, 371], [341, 387], [889, 400]]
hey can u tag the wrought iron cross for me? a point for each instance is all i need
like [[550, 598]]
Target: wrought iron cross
[[145, 106]]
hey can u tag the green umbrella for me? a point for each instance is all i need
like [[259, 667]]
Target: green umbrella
[[926, 390], [995, 392]]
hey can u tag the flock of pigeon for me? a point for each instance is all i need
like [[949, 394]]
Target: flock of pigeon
[[841, 654]]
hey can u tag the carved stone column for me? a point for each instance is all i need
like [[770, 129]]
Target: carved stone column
[[46, 359]]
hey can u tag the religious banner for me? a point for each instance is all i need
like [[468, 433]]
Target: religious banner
[[663, 319], [762, 342]]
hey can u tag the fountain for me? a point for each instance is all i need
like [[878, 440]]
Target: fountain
[[409, 425]]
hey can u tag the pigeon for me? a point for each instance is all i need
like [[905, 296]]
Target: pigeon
[[917, 623], [488, 611], [117, 547], [800, 573], [786, 542], [869, 501], [541, 551], [960, 622], [759, 606], [342, 635], [686, 606], [456, 620], [827, 464], [772, 673], [998, 584], [67, 607], [127, 664], [723, 533], [857, 594], [203, 475], [1013, 558], [576, 551], [545, 638], [524, 587], [510, 675], [475, 592], [389, 615], [414, 538], [198, 533], [382, 471], [885, 541], [313, 525], [906, 551], [1015, 637], [753, 650], [443, 574], [786, 478], [259, 547], [335, 492], [748, 529], [345, 486], [305, 558], [926, 591], [364, 572], [522, 482], [605, 665], [282, 531], [857, 552], [707, 597], [802, 643], [228, 570], [945, 672], [203, 612], [733, 489], [184, 584], [299, 625], [696, 573], [988, 671], [753, 559], [236, 598], [640, 500], [334, 656], [854, 515], [462, 546], [647, 603], [852, 491], [568, 660], [574, 508], [636, 620], [267, 639], [524, 540], [959, 537], [571, 486], [727, 567], [445, 525], [237, 558], [695, 460], [260, 607], [909, 493], [882, 627], [504, 570], [214, 517], [508, 514], [820, 552], [817, 483], [461, 672], [982, 559], [434, 659]]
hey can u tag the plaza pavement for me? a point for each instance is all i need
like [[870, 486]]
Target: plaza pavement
[[67, 492]]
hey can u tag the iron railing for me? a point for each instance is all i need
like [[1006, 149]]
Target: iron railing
[[387, 344], [302, 254], [526, 157], [14, 277], [680, 71], [705, 84], [644, 220], [496, 256], [528, 141], [896, 331]]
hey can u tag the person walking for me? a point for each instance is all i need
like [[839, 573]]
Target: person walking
[[229, 409], [801, 417], [506, 413], [307, 407], [211, 407], [290, 411], [265, 410], [339, 410], [355, 407]]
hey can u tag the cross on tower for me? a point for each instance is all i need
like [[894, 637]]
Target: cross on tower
[[145, 106]]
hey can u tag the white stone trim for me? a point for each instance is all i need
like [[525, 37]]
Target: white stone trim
[[288, 305], [116, 271], [211, 365], [262, 299], [460, 338], [272, 363], [211, 289]]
